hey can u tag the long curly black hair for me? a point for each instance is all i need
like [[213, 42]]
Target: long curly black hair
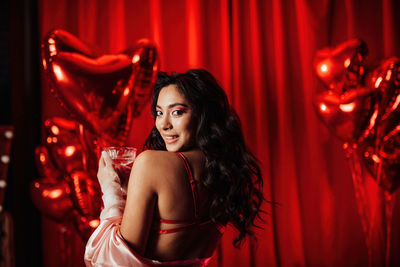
[[232, 174]]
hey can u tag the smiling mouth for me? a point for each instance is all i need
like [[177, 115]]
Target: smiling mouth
[[170, 139]]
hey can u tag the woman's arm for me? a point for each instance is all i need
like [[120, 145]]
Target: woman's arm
[[140, 203]]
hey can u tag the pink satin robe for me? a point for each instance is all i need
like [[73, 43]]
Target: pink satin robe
[[106, 247]]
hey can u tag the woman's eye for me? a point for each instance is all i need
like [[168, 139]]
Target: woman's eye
[[158, 113], [177, 112]]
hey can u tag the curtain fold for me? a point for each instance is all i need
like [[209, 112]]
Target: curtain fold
[[262, 53]]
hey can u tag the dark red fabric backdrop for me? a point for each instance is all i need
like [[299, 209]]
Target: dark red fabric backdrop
[[262, 54]]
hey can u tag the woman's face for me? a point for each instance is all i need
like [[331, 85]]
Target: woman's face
[[174, 119]]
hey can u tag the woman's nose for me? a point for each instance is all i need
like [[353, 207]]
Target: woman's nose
[[166, 123]]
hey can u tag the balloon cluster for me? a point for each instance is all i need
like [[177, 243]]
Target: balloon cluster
[[361, 106], [103, 94]]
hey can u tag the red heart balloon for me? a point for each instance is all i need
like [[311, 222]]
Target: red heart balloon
[[85, 194], [65, 145], [380, 152], [95, 90], [341, 67], [44, 163], [59, 40], [386, 79], [146, 64], [363, 108], [349, 115], [52, 198], [85, 226]]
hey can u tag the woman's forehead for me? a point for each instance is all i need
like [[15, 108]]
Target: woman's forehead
[[170, 95]]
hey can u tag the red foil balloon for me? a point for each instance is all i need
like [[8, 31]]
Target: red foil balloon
[[90, 147], [341, 68], [85, 226], [145, 64], [52, 198], [96, 89], [65, 145], [45, 164], [363, 108], [380, 152], [386, 79], [349, 115], [86, 194]]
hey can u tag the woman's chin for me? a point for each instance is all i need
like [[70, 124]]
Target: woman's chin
[[173, 148], [180, 146]]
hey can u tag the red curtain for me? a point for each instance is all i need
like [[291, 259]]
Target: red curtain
[[262, 54]]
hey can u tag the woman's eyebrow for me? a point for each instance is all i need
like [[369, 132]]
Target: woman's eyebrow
[[174, 105]]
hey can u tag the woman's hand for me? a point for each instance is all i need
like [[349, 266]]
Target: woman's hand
[[106, 174], [113, 198]]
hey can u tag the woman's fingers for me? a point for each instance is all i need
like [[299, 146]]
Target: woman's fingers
[[106, 158], [101, 162]]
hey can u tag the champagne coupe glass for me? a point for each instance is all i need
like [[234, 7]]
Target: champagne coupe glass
[[123, 158]]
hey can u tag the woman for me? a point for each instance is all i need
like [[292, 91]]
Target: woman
[[196, 177]]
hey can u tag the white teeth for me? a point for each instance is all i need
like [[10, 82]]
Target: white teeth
[[170, 137]]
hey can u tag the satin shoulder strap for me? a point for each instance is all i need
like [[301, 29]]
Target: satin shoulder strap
[[192, 185]]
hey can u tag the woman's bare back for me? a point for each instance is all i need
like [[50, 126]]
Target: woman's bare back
[[175, 201]]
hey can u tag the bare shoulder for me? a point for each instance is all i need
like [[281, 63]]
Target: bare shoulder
[[151, 165], [156, 163], [155, 159]]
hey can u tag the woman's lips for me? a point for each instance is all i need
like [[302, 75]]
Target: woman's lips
[[170, 139]]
